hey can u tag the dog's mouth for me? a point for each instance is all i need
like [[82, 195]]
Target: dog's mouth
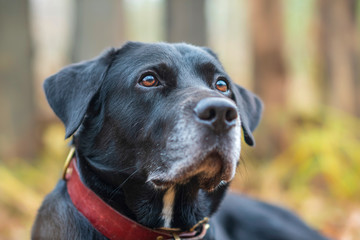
[[208, 173]]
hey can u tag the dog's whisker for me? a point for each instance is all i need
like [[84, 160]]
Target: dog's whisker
[[112, 194], [124, 169]]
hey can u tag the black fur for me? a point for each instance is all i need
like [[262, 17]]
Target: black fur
[[133, 143]]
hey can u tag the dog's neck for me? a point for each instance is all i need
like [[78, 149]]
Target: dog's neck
[[180, 206]]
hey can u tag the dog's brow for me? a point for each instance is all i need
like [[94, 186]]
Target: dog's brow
[[160, 67], [207, 69], [165, 71]]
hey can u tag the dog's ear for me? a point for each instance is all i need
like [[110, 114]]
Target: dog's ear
[[70, 91], [250, 108]]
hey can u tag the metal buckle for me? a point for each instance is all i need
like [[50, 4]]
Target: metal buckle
[[202, 222], [176, 232], [67, 161]]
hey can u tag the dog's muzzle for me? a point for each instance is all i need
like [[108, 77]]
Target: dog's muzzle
[[205, 149]]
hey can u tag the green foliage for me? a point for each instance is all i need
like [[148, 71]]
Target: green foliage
[[323, 156], [317, 174]]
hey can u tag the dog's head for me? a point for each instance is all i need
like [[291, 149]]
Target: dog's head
[[167, 113]]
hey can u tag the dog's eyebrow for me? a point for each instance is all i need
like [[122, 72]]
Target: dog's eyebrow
[[207, 69], [165, 71]]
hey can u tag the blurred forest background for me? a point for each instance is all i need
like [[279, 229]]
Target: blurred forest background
[[302, 57]]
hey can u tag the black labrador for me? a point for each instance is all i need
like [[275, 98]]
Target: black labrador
[[157, 131]]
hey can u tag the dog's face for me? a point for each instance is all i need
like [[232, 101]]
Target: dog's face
[[174, 106], [165, 113]]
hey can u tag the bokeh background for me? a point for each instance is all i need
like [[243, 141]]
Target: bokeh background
[[301, 57]]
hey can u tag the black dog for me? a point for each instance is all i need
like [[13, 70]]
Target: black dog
[[157, 131]]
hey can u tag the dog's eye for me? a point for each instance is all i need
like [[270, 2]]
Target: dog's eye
[[149, 81], [221, 85]]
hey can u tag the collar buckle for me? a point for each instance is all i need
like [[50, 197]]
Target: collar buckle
[[197, 232], [67, 162]]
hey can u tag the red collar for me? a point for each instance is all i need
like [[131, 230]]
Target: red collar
[[111, 223]]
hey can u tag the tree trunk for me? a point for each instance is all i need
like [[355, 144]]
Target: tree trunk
[[270, 76], [339, 53], [268, 41], [98, 25], [185, 21], [17, 107]]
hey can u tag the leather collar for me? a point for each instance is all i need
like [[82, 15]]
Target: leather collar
[[111, 223]]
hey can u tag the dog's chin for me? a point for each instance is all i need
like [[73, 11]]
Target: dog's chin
[[207, 184], [208, 174]]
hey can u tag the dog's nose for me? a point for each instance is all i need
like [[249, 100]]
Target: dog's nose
[[218, 113]]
